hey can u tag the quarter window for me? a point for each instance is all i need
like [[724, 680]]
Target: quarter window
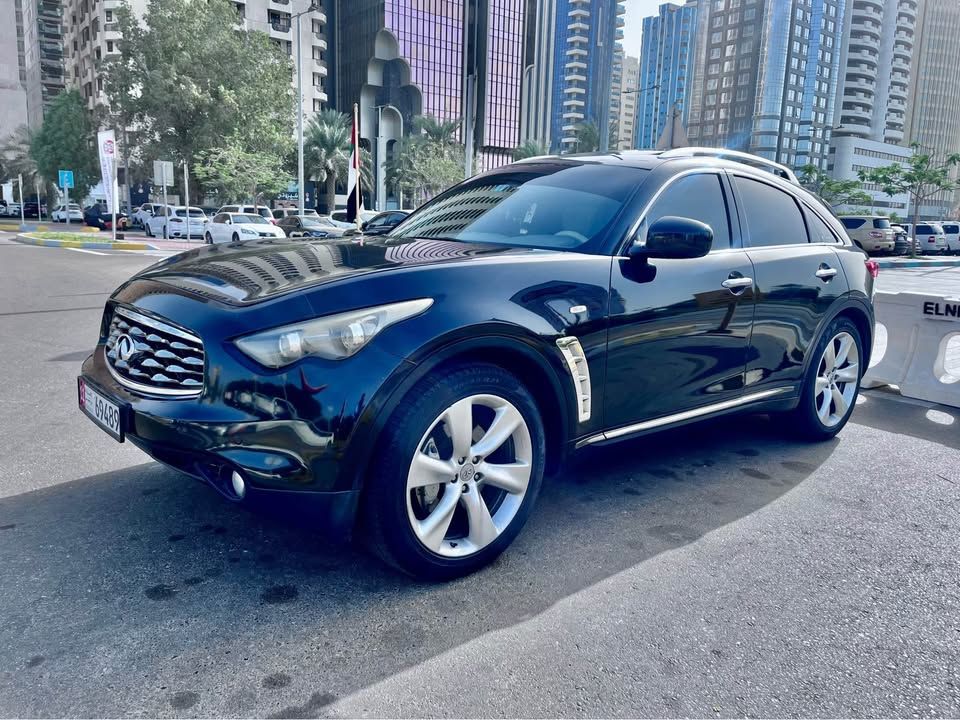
[[698, 197], [772, 216], [819, 232]]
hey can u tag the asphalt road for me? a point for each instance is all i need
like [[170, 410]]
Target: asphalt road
[[720, 570]]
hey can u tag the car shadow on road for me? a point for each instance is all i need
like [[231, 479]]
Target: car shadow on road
[[885, 409], [152, 581]]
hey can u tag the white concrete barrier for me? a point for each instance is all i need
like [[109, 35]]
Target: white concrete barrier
[[919, 328]]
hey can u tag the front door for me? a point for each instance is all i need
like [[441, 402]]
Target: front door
[[679, 329], [798, 277]]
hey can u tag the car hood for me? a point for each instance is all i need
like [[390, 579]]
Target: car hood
[[255, 270]]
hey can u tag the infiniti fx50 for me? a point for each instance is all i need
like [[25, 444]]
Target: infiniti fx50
[[412, 389]]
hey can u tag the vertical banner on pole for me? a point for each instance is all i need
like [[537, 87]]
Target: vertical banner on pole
[[107, 144], [354, 201]]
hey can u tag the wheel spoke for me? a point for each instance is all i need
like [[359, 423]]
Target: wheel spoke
[[846, 342], [823, 410], [433, 528], [830, 355], [482, 530], [849, 373], [459, 421], [506, 420], [426, 470], [512, 477], [839, 401], [822, 384]]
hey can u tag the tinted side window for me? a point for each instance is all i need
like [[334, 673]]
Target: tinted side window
[[698, 197], [819, 231], [852, 223], [881, 224], [772, 216], [952, 229]]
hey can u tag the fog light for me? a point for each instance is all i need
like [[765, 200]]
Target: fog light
[[239, 486]]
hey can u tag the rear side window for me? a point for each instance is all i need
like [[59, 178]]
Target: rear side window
[[710, 206], [881, 224], [852, 223], [927, 229], [819, 231], [772, 216], [952, 229]]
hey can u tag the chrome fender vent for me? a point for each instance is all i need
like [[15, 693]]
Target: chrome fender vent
[[579, 370]]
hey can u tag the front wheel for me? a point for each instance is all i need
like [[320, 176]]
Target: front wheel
[[457, 473], [832, 382], [235, 238], [208, 239]]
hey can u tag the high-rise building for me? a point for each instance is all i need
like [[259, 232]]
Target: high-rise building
[[876, 67], [92, 35], [666, 60], [13, 94], [616, 94], [626, 122], [586, 32], [448, 59], [43, 52], [766, 77], [932, 117], [537, 89]]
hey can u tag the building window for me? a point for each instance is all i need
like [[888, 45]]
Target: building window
[[109, 46]]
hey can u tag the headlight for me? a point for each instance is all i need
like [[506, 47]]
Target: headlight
[[334, 337], [247, 231]]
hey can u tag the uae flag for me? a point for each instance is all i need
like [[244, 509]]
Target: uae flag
[[354, 198]]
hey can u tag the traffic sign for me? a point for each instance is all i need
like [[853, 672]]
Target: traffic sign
[[162, 173], [66, 179]]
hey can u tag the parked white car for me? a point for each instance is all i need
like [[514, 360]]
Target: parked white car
[[62, 212], [952, 230], [280, 213], [261, 210], [930, 237], [173, 222], [340, 218], [142, 214], [234, 227], [13, 210]]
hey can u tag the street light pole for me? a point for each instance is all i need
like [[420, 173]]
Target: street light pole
[[300, 180]]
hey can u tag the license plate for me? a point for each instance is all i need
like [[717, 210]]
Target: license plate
[[103, 412]]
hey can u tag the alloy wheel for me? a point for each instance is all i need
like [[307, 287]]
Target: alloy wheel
[[469, 475], [837, 377]]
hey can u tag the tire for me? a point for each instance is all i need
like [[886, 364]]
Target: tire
[[235, 238], [815, 419], [482, 516], [165, 234], [147, 231], [207, 239]]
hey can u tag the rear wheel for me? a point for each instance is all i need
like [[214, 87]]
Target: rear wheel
[[832, 382], [459, 469]]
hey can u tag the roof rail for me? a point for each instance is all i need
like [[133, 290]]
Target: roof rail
[[735, 155]]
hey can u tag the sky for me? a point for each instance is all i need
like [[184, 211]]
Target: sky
[[633, 22]]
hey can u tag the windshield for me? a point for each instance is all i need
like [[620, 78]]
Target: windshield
[[315, 222], [557, 205], [194, 212], [249, 219]]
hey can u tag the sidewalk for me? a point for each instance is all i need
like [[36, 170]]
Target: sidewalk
[[919, 262]]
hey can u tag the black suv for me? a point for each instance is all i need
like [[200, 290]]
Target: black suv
[[414, 388]]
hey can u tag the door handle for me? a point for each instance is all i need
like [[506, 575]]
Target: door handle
[[737, 284], [825, 272]]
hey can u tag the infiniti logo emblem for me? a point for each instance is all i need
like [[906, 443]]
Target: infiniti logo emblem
[[126, 348]]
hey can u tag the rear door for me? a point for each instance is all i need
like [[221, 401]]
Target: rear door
[[798, 277], [679, 328]]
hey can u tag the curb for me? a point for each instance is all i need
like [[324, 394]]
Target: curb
[[84, 244], [56, 227], [941, 262]]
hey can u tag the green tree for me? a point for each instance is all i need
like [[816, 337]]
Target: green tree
[[237, 174], [16, 157], [437, 131], [66, 142], [529, 148], [192, 82], [920, 176], [588, 137], [326, 148], [833, 192]]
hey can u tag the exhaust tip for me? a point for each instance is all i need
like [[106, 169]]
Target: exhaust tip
[[239, 486]]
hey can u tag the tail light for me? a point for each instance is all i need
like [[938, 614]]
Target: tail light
[[876, 234], [932, 238], [873, 267]]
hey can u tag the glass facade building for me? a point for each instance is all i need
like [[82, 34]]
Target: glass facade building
[[666, 56], [586, 32]]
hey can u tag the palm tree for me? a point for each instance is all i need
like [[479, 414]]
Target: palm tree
[[588, 137], [326, 150], [437, 131], [15, 154], [529, 148], [327, 147]]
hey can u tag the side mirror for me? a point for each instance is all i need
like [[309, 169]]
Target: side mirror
[[674, 238], [363, 225]]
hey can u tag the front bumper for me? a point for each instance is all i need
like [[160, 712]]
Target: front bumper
[[298, 437]]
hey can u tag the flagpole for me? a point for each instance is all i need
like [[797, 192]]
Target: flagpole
[[356, 161]]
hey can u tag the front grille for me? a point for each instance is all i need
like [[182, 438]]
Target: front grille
[[150, 356]]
